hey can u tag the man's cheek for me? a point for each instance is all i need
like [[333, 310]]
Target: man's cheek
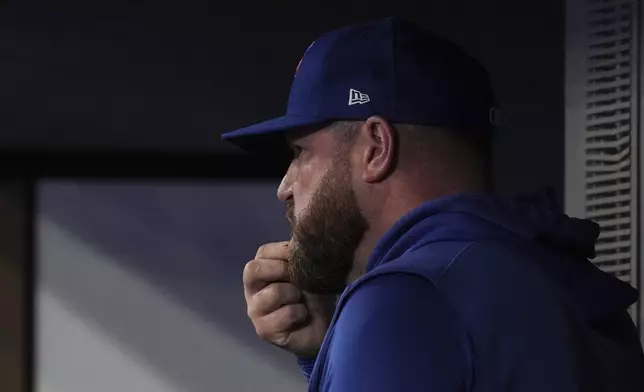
[[301, 206]]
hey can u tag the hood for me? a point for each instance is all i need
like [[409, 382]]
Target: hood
[[536, 217], [533, 219]]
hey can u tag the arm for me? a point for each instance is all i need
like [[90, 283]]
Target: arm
[[396, 333]]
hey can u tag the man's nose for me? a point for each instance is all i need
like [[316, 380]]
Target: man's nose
[[285, 190]]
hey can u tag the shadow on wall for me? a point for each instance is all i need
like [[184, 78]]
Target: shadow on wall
[[186, 245]]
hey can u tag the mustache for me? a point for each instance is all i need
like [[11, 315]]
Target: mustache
[[290, 211]]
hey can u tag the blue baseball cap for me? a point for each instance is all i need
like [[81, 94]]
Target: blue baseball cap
[[388, 67]]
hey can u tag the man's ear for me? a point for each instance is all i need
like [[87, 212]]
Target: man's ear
[[378, 144]]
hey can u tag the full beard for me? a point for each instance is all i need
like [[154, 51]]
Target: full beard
[[325, 239]]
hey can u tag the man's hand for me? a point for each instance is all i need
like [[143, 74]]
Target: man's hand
[[281, 313]]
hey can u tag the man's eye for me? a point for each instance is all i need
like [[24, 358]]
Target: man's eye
[[297, 150]]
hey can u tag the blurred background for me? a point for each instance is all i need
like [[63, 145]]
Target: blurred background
[[139, 287], [138, 280], [14, 271]]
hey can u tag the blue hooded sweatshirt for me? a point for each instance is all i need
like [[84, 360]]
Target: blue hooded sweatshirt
[[478, 293]]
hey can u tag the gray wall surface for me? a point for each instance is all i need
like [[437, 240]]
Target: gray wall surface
[[139, 288]]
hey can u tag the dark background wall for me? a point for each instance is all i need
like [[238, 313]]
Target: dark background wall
[[174, 75]]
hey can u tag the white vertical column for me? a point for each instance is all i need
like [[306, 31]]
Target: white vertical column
[[603, 153]]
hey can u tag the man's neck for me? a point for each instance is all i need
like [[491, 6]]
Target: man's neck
[[391, 211]]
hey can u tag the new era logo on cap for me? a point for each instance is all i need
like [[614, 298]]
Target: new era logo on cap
[[356, 97]]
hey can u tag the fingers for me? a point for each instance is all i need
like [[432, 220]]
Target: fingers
[[280, 322], [275, 250], [274, 304], [271, 298], [260, 272]]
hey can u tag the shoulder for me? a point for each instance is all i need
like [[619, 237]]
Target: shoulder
[[430, 261], [388, 287], [398, 319], [388, 295]]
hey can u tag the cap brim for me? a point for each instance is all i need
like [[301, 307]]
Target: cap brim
[[261, 138]]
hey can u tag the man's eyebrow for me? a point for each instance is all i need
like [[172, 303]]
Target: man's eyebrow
[[298, 135], [291, 140]]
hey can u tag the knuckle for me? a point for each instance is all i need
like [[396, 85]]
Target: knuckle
[[279, 293], [261, 331], [260, 302], [293, 313], [247, 268], [271, 293], [251, 311], [250, 270], [265, 332], [280, 339], [262, 250]]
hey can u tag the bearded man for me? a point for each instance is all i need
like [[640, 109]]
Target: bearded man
[[442, 285]]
